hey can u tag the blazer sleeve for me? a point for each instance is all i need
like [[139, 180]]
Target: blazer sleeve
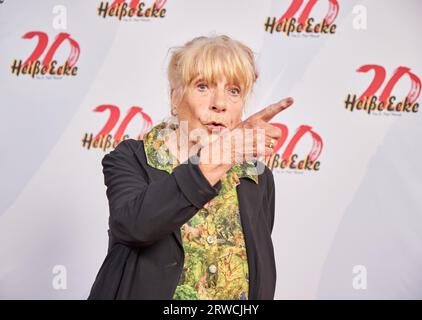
[[271, 199], [141, 212]]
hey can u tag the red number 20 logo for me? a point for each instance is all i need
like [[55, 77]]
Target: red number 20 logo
[[297, 4], [379, 78], [134, 3], [58, 41], [317, 142], [114, 118]]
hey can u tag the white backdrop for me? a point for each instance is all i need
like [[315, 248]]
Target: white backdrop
[[351, 229]]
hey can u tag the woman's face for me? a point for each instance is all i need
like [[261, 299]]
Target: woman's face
[[211, 107]]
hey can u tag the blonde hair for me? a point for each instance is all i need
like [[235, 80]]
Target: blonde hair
[[212, 57]]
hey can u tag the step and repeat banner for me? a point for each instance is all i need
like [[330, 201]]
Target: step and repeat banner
[[347, 170]]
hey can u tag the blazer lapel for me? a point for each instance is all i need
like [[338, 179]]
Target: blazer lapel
[[247, 193]]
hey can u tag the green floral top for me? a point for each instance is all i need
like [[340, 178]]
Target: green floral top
[[216, 265]]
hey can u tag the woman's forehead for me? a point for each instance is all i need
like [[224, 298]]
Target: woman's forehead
[[216, 77]]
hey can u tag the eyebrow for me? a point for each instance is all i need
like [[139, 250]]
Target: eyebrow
[[200, 78], [196, 80]]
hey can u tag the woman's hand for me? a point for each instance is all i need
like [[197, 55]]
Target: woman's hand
[[258, 136], [250, 139]]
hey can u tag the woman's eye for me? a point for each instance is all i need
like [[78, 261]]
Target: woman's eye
[[202, 86], [235, 91]]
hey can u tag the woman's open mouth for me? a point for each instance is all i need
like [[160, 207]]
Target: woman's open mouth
[[215, 126]]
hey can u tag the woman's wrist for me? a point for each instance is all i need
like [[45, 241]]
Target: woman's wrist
[[212, 170]]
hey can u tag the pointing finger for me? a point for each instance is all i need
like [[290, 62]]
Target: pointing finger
[[269, 112]]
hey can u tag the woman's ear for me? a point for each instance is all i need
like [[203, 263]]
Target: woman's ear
[[173, 102]]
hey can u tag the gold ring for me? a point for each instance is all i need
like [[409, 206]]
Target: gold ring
[[272, 143]]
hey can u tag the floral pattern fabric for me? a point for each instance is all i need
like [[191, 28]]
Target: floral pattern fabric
[[215, 265]]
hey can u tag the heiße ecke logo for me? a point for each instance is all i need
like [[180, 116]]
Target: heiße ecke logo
[[288, 160], [304, 24], [33, 66], [103, 139], [134, 9], [369, 101]]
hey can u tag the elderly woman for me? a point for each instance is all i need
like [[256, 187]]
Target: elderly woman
[[191, 215]]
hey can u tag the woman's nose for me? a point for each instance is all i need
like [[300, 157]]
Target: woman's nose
[[218, 102]]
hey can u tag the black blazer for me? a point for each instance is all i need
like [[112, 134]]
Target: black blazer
[[148, 206]]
